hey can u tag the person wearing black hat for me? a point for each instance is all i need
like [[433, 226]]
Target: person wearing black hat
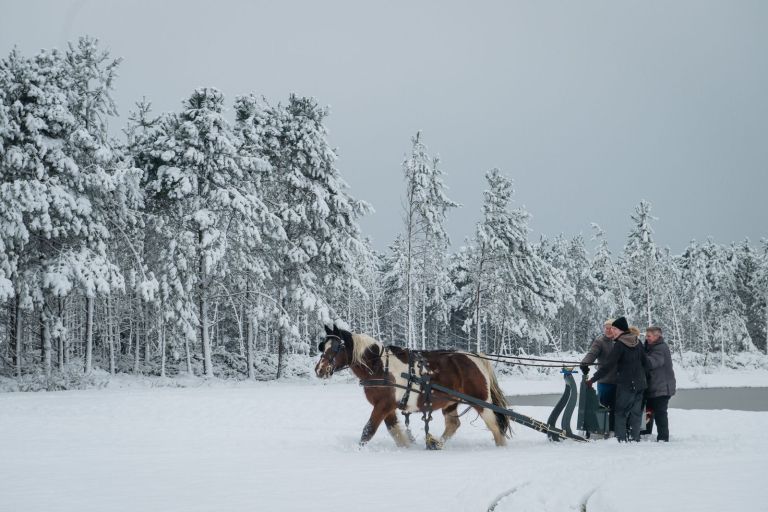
[[628, 358]]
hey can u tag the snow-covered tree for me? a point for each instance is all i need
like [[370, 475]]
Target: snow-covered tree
[[512, 283], [716, 313], [746, 270], [199, 195], [394, 285], [760, 284], [114, 185], [641, 259], [319, 216], [577, 320], [426, 242], [613, 297], [61, 187], [670, 292]]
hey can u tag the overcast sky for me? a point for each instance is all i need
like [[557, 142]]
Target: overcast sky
[[588, 106]]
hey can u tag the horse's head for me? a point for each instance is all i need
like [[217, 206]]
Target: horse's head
[[334, 352]]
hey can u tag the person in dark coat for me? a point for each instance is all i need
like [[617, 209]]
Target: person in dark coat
[[606, 387], [661, 382], [628, 358]]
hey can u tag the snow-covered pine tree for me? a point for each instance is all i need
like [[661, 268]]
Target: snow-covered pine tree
[[519, 288], [13, 234], [461, 265], [253, 264], [425, 208], [199, 195], [715, 317], [760, 283], [394, 288], [576, 322], [694, 267], [729, 311], [587, 322], [747, 264], [319, 216], [613, 297], [147, 305], [59, 204], [113, 185], [641, 259], [670, 293], [437, 285]]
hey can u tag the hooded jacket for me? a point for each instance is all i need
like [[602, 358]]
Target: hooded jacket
[[661, 374], [600, 350], [628, 358]]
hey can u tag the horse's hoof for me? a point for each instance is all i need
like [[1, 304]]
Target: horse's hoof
[[411, 438], [433, 443]]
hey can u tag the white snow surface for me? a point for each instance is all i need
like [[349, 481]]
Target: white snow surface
[[292, 446]]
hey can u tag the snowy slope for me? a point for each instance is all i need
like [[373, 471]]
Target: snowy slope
[[293, 447]]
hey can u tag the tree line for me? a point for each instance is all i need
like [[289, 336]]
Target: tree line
[[500, 292], [205, 244]]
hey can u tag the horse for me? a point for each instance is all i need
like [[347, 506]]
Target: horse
[[368, 359]]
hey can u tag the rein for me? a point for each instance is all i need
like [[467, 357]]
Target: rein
[[516, 360], [496, 358]]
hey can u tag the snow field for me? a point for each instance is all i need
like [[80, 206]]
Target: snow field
[[293, 447]]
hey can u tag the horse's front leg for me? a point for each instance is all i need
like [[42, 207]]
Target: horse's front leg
[[377, 416]]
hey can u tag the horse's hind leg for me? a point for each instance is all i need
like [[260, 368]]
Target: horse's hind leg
[[490, 421], [452, 422], [393, 427]]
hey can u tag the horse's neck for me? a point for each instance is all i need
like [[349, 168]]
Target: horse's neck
[[371, 369]]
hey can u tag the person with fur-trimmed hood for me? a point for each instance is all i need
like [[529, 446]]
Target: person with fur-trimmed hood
[[629, 360]]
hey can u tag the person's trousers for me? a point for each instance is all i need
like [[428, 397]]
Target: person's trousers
[[606, 393], [658, 405], [628, 411]]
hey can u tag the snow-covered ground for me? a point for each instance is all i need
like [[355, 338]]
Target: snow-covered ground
[[293, 447]]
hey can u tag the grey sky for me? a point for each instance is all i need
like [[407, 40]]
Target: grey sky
[[588, 106]]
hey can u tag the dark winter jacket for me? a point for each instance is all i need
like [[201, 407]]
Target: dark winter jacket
[[661, 374], [600, 350], [628, 358]]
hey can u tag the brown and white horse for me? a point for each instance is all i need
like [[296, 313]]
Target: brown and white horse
[[367, 358]]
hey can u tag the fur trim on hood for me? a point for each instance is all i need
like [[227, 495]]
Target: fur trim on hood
[[629, 339]]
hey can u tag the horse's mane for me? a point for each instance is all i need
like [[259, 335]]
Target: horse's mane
[[361, 343]]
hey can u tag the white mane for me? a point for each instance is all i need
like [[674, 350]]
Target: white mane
[[361, 343]]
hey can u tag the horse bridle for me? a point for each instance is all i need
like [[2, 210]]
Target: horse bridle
[[333, 352]]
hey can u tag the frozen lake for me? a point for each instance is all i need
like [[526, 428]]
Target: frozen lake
[[739, 399]]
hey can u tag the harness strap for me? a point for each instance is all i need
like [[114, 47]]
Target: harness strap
[[403, 404]]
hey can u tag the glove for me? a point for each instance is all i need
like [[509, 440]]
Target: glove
[[584, 369], [589, 383]]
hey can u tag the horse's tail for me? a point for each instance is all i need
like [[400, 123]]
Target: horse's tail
[[497, 398]]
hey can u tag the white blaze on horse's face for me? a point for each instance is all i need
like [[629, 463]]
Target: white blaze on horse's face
[[324, 367]]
